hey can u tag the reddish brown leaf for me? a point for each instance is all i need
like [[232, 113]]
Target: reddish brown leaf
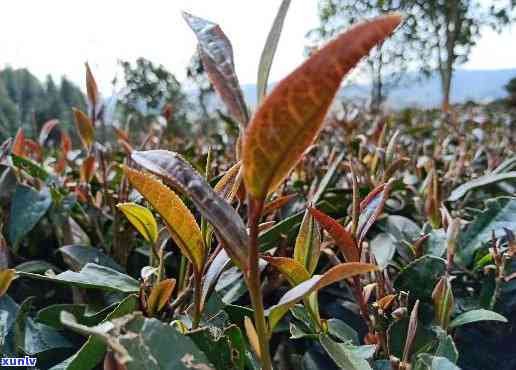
[[88, 168], [46, 129], [277, 203], [342, 237], [291, 116], [18, 147], [217, 58], [91, 87]]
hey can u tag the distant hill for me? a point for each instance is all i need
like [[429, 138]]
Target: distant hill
[[477, 85]]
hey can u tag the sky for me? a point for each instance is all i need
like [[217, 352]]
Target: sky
[[56, 36]]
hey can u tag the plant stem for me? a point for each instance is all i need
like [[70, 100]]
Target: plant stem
[[254, 284], [197, 300]]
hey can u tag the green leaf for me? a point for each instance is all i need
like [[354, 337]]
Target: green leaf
[[308, 243], [269, 50], [342, 354], [42, 338], [27, 208], [447, 349], [499, 213], [225, 350], [92, 276], [436, 243], [476, 315], [342, 331], [141, 343], [77, 256], [32, 168], [420, 276], [50, 315], [8, 313], [92, 352], [428, 362], [383, 248], [488, 179]]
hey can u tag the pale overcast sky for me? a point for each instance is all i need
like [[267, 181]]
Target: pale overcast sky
[[57, 37]]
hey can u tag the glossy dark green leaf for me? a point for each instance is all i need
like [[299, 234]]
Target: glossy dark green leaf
[[342, 354], [92, 352], [342, 331], [499, 213], [32, 168], [91, 276], [479, 182], [8, 312], [27, 208], [383, 247], [77, 256], [420, 276], [476, 315], [224, 350], [426, 361]]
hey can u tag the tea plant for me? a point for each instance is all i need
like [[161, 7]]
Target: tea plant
[[349, 252]]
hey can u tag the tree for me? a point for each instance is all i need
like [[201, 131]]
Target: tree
[[447, 30], [511, 90], [437, 35], [387, 64], [26, 102]]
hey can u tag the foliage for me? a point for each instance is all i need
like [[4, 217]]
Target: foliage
[[307, 240]]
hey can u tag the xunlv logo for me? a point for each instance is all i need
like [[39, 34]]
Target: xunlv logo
[[18, 361]]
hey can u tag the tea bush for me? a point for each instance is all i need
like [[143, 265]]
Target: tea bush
[[387, 243]]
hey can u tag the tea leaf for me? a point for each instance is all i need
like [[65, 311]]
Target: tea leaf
[[85, 128], [91, 276], [317, 282], [160, 295], [174, 170], [225, 187], [277, 204], [18, 146], [32, 168], [180, 221], [476, 315], [27, 208], [370, 208], [88, 168], [488, 179], [292, 269], [6, 277], [142, 219], [342, 354], [271, 44], [217, 58], [443, 301], [498, 214], [308, 243], [342, 237], [252, 336], [46, 129], [91, 87], [291, 116], [213, 273]]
